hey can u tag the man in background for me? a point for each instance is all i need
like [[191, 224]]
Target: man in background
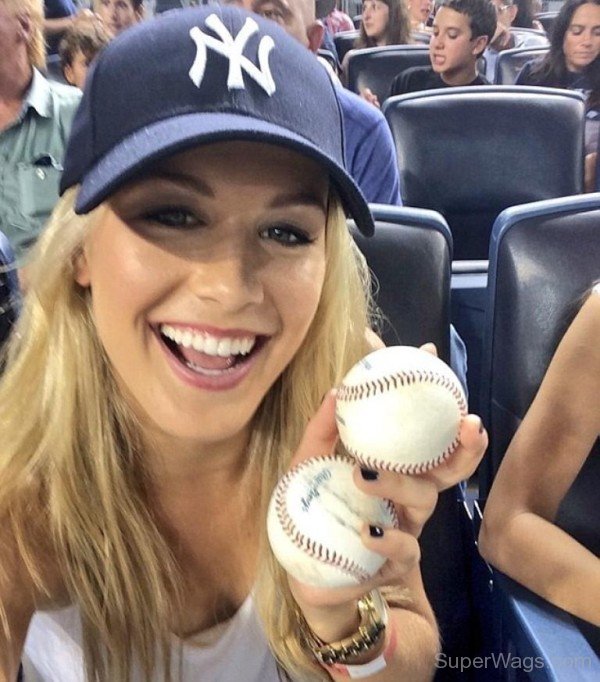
[[35, 120], [369, 147]]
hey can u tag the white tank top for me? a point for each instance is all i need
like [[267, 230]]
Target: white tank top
[[231, 652]]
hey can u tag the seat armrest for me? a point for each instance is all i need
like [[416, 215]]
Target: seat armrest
[[547, 634]]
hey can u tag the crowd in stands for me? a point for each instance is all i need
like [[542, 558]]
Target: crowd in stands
[[465, 39]]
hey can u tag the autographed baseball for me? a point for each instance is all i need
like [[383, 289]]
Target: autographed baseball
[[400, 409], [314, 522]]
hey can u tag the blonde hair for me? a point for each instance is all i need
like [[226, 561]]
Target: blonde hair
[[72, 455], [34, 9]]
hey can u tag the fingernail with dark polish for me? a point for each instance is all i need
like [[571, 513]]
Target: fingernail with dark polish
[[480, 426], [369, 474], [376, 531]]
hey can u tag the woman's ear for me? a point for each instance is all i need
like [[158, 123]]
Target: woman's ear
[[25, 29], [81, 268]]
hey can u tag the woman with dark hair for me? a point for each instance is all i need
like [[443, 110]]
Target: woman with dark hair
[[573, 62], [384, 22]]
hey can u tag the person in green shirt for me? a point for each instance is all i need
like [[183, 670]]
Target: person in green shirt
[[35, 121]]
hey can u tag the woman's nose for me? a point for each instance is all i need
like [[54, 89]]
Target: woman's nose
[[231, 279]]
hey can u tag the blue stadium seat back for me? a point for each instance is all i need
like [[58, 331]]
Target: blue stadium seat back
[[161, 6], [53, 69], [469, 153], [410, 256], [544, 257], [533, 35], [9, 289], [344, 42], [547, 20], [510, 63], [357, 20], [376, 67], [329, 57]]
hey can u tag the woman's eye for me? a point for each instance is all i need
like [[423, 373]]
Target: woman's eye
[[287, 235], [172, 217], [273, 15]]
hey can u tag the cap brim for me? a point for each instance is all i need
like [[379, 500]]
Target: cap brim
[[163, 138]]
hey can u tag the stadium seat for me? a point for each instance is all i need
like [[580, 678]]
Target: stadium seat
[[510, 63], [329, 57], [544, 257], [469, 153], [547, 20], [376, 67], [344, 42], [528, 33], [410, 256]]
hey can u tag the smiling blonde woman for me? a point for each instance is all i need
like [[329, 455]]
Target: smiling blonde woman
[[194, 297]]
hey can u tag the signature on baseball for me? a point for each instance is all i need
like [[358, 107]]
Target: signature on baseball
[[313, 491]]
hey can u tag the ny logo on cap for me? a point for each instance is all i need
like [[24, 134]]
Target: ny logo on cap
[[233, 50]]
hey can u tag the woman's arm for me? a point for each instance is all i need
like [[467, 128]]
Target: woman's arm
[[518, 534], [332, 615]]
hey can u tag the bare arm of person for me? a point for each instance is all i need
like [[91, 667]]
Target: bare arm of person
[[518, 535], [54, 26]]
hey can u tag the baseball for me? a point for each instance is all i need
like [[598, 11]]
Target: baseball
[[314, 521], [400, 409]]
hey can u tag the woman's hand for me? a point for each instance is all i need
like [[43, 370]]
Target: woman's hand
[[368, 95], [331, 611]]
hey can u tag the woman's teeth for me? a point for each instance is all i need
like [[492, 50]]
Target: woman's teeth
[[207, 344]]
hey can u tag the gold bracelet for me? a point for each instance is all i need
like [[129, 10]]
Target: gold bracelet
[[373, 619]]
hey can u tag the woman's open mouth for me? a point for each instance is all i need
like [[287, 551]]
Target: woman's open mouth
[[202, 357]]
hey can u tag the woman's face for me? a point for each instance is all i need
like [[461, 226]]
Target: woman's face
[[205, 276], [118, 14], [581, 43], [375, 17], [420, 10]]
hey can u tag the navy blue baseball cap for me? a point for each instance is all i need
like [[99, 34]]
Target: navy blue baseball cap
[[202, 75]]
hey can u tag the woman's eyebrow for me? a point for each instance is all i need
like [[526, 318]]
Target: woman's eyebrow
[[300, 198], [191, 181]]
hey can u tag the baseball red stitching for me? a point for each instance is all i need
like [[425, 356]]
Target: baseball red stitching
[[381, 385], [306, 544]]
